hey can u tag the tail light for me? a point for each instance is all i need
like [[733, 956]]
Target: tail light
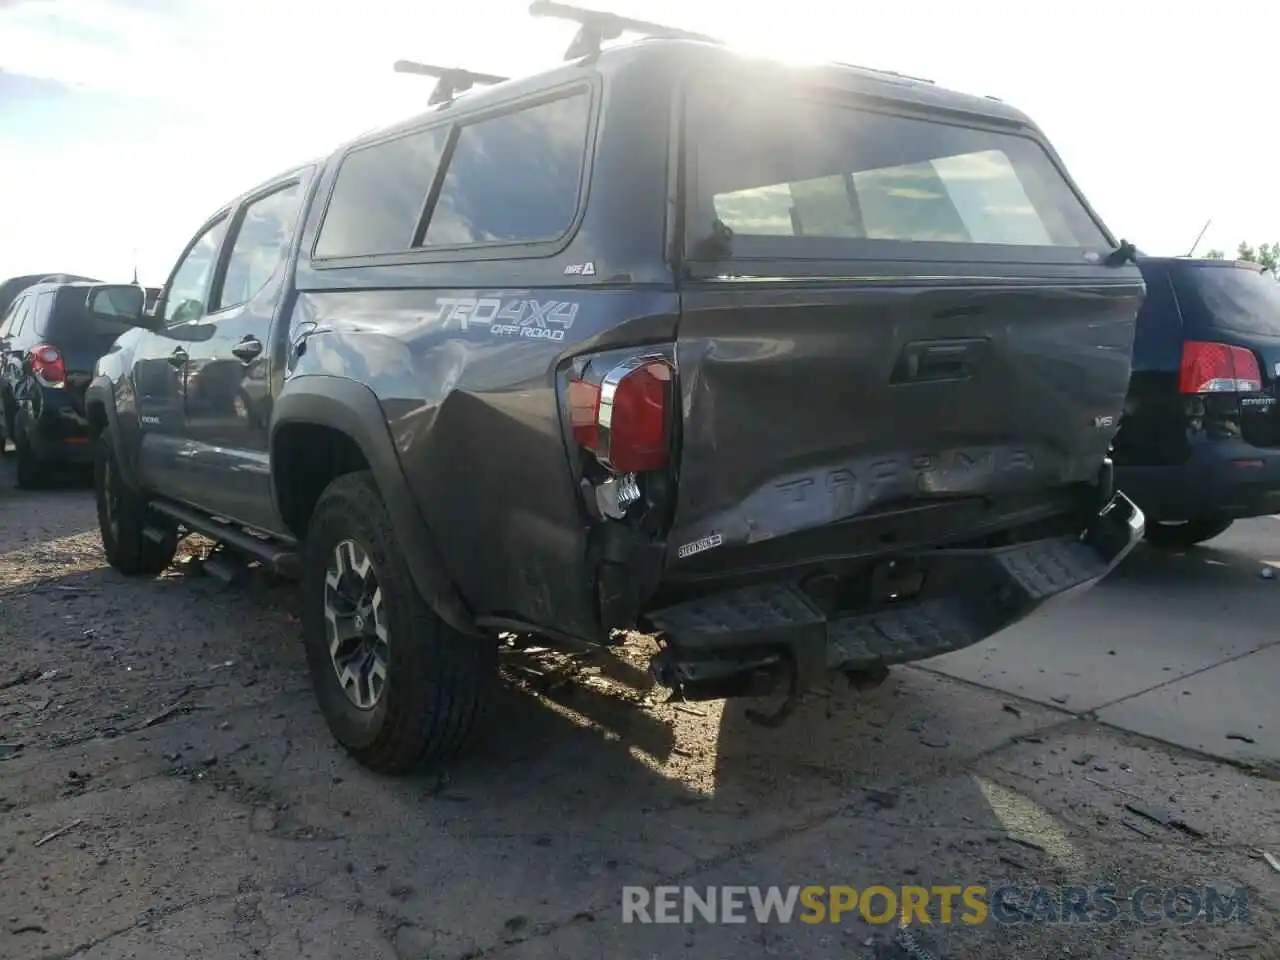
[[1218, 368], [47, 365], [625, 418]]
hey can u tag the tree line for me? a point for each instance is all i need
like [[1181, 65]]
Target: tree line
[[1266, 254]]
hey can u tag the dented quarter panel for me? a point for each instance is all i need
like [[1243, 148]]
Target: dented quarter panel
[[472, 409], [793, 418], [473, 413]]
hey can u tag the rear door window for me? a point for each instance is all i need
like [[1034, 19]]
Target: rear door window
[[6, 322], [18, 318], [1225, 297], [796, 176], [261, 245]]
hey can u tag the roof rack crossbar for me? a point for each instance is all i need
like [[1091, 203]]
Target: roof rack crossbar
[[450, 81], [597, 26]]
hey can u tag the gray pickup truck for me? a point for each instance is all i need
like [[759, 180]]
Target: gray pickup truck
[[799, 369]]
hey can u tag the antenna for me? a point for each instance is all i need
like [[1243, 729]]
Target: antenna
[[597, 26], [135, 266], [1199, 237], [450, 81]]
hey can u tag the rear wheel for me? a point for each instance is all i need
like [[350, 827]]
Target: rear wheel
[[397, 686], [122, 516], [30, 470], [6, 430], [1185, 533]]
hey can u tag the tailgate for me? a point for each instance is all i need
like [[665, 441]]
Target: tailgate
[[888, 305], [803, 407], [81, 338]]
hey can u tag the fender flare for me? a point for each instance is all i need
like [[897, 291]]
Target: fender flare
[[353, 409], [100, 390]]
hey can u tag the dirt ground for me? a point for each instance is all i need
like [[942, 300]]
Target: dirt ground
[[166, 727]]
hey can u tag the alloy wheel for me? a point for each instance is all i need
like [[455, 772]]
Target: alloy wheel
[[355, 621]]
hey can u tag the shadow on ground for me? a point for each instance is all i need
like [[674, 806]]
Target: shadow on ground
[[170, 725]]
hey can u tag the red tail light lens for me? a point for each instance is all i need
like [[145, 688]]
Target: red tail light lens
[[1218, 368], [47, 365], [625, 420]]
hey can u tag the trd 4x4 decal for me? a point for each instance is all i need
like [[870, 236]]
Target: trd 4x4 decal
[[519, 317]]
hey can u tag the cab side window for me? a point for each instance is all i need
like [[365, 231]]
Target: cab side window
[[187, 296], [514, 178]]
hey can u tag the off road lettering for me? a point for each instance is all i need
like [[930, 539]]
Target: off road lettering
[[531, 319]]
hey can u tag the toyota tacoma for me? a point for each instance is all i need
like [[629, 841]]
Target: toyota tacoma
[[798, 369]]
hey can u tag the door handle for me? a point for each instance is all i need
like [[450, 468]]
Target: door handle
[[178, 358], [248, 348]]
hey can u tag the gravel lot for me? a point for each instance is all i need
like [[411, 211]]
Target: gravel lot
[[169, 724]]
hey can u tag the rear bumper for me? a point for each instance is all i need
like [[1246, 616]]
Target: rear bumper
[[60, 433], [1227, 478], [746, 641]]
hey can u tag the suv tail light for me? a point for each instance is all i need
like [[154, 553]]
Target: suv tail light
[[1218, 368], [625, 419], [47, 365]]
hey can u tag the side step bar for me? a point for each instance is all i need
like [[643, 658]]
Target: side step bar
[[282, 560]]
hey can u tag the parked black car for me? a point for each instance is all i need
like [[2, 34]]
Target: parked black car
[[817, 372], [50, 338], [1199, 443]]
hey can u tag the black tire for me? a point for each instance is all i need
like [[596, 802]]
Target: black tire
[[438, 681], [1174, 536], [6, 432], [31, 473], [122, 518]]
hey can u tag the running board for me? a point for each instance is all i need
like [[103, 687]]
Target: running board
[[282, 560]]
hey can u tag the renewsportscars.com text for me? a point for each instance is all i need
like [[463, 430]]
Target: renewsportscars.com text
[[971, 904]]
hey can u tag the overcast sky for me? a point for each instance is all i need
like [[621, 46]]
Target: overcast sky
[[124, 123]]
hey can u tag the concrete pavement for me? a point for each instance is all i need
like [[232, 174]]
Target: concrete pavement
[[1181, 647], [170, 790]]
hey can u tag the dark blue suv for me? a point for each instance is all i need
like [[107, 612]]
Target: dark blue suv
[[1199, 442], [51, 336]]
